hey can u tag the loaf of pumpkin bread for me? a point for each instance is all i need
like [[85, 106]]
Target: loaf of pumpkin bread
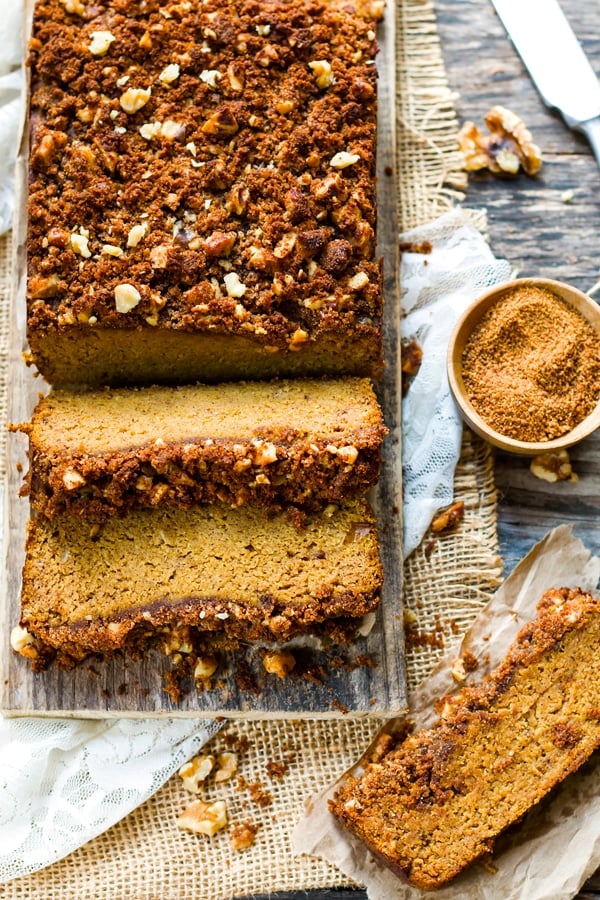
[[431, 804], [301, 444], [240, 572], [202, 190]]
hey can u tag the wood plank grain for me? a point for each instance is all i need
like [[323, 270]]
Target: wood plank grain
[[529, 223], [128, 687]]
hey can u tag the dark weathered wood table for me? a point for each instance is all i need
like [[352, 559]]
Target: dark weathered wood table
[[531, 225]]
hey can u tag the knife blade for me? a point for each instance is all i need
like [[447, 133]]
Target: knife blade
[[556, 62]]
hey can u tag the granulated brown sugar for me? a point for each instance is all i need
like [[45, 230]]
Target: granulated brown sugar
[[531, 368]]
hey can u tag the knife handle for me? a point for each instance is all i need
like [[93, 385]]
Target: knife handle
[[591, 128]]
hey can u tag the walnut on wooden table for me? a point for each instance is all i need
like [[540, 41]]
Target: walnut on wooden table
[[508, 148]]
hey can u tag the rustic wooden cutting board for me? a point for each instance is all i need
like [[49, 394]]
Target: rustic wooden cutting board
[[119, 687]]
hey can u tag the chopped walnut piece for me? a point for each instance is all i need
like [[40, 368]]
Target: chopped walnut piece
[[136, 234], [205, 666], [298, 338], [348, 453], [371, 9], [210, 77], [358, 281], [243, 836], [323, 72], [72, 479], [112, 250], [43, 287], [284, 106], [449, 518], [278, 662], [195, 772], [220, 243], [100, 43], [458, 670], [171, 130], [237, 199], [343, 159], [285, 246], [127, 297], [330, 186], [508, 147], [265, 452], [412, 357], [159, 256], [20, 638], [221, 122], [76, 7], [204, 818], [48, 150], [267, 55], [170, 73], [144, 483], [150, 130], [227, 763], [233, 285], [235, 74], [553, 467], [134, 99], [79, 245], [145, 42]]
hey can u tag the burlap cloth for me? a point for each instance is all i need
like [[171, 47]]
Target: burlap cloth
[[446, 582]]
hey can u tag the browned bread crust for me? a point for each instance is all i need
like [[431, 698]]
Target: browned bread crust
[[201, 195], [236, 571], [299, 444], [434, 802]]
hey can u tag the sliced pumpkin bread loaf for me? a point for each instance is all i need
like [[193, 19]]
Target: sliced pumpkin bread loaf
[[432, 803], [303, 443], [238, 571]]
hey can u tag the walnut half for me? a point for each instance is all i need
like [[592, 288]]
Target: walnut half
[[553, 467], [508, 147], [204, 818]]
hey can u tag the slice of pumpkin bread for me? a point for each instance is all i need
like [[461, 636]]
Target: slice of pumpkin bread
[[303, 443], [435, 801], [237, 571]]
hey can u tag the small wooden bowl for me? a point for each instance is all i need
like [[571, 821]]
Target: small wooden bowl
[[464, 327]]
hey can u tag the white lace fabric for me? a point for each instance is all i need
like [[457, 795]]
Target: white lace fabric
[[11, 81], [436, 288], [65, 781]]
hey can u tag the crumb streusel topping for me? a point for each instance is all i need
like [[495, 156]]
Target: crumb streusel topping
[[204, 166]]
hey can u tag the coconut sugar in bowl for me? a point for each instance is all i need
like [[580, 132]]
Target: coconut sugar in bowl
[[524, 366]]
